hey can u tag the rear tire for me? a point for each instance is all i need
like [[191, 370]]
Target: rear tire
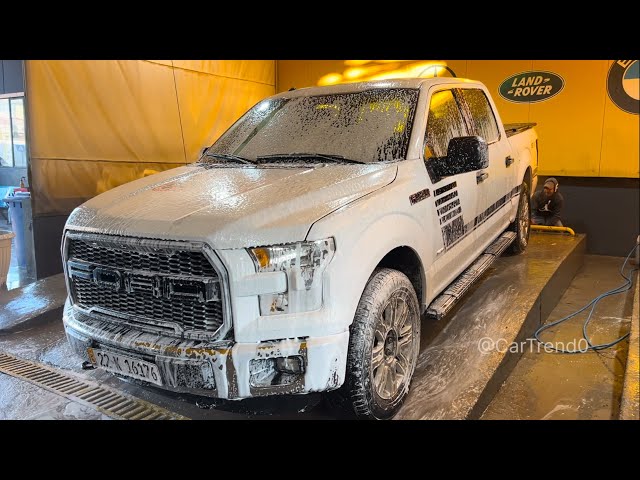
[[384, 343], [521, 224]]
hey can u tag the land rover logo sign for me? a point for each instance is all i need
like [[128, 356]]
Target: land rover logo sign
[[623, 85], [531, 87]]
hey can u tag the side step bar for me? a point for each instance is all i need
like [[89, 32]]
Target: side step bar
[[454, 292]]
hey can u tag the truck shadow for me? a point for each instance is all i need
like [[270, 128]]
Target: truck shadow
[[311, 406]]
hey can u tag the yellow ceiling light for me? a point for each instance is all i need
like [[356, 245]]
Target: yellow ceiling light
[[354, 72], [367, 70], [330, 79]]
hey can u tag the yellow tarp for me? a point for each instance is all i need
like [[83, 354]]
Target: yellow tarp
[[94, 125]]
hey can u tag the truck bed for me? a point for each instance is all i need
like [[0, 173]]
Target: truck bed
[[513, 128]]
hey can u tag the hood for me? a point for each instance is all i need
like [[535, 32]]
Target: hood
[[230, 207]]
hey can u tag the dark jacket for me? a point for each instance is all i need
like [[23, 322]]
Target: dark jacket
[[546, 208]]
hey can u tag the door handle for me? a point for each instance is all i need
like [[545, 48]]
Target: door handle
[[508, 161], [481, 177]]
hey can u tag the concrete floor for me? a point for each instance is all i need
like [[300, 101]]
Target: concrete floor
[[46, 343], [550, 386], [37, 302], [24, 401], [630, 405], [456, 374]]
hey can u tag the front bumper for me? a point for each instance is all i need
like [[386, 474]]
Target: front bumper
[[223, 369]]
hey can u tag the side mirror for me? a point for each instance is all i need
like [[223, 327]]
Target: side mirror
[[204, 149], [466, 154]]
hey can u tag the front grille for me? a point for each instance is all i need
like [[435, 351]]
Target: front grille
[[190, 315], [155, 259]]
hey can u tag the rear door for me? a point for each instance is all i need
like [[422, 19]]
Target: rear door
[[494, 184], [454, 204]]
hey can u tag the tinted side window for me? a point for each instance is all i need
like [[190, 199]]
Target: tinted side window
[[482, 115], [444, 123]]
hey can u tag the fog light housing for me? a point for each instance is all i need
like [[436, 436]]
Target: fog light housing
[[293, 365], [277, 372]]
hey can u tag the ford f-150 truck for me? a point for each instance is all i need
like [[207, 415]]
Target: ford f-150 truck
[[300, 251]]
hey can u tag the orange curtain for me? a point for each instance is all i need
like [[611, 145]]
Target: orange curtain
[[94, 125]]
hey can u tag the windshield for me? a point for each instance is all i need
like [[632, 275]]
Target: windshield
[[369, 126]]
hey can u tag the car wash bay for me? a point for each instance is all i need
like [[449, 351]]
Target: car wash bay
[[592, 150]]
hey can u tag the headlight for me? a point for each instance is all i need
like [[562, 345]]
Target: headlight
[[303, 263]]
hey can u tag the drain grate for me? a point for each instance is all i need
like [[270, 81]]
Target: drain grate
[[110, 402]]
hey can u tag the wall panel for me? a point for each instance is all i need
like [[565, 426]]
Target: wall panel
[[570, 124], [97, 124]]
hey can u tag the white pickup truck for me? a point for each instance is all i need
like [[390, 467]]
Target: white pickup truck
[[300, 251]]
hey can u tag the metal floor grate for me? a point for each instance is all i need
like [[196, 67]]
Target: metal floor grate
[[110, 402]]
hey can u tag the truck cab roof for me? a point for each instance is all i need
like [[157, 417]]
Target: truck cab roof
[[418, 83]]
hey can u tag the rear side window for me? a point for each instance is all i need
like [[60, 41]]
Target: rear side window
[[482, 115], [444, 123]]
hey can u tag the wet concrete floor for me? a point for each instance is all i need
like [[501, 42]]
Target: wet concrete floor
[[25, 401], [461, 365], [37, 302], [551, 386], [630, 405], [47, 344]]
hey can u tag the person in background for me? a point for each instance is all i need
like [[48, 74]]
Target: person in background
[[546, 205]]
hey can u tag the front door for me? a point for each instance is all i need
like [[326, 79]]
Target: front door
[[454, 204]]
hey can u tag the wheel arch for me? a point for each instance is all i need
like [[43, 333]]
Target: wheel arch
[[527, 178], [406, 260], [394, 240]]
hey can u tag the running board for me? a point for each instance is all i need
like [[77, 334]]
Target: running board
[[454, 292]]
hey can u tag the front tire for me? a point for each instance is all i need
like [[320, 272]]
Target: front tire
[[383, 345], [521, 225]]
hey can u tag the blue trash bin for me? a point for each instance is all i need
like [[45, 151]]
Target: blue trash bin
[[20, 214]]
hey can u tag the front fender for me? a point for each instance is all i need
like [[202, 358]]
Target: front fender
[[363, 238]]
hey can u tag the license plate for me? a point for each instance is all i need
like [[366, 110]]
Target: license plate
[[124, 365]]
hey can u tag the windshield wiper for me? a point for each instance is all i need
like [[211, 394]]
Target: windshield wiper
[[229, 157], [306, 156]]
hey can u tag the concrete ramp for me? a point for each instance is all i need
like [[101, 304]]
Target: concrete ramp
[[467, 355]]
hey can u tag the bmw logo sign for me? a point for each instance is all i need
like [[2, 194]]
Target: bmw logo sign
[[623, 85]]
